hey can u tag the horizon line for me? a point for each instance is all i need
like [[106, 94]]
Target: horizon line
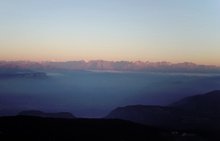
[[85, 60]]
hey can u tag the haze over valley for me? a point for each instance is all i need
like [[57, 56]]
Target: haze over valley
[[94, 88]]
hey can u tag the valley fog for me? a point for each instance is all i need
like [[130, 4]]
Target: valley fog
[[95, 94]]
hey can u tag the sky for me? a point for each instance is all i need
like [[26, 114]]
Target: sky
[[146, 30]]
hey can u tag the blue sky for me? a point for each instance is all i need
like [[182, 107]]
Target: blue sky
[[147, 30]]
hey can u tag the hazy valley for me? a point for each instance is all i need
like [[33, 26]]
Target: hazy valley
[[26, 85], [158, 103]]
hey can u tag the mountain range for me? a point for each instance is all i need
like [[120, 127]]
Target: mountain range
[[101, 65]]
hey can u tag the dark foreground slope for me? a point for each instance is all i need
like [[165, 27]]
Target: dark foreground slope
[[206, 105], [195, 112], [38, 128], [200, 112], [149, 115]]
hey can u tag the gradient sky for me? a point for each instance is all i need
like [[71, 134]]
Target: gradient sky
[[147, 30]]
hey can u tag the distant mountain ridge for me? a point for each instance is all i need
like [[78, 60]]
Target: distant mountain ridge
[[101, 65]]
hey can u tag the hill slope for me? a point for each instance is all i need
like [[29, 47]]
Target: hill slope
[[196, 112], [205, 105]]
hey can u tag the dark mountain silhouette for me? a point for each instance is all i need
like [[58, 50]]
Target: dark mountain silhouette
[[50, 115], [150, 115], [44, 129], [184, 120], [195, 112], [207, 105]]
